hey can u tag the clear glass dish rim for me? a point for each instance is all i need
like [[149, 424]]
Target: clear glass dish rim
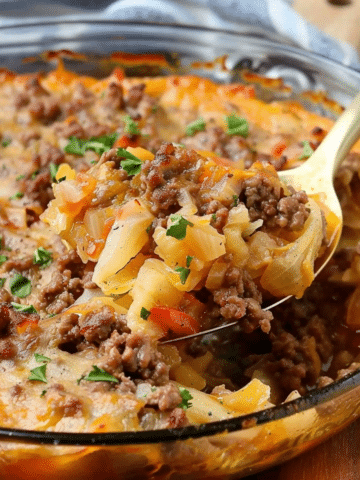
[[314, 398]]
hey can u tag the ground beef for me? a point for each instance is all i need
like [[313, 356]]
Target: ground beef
[[93, 327], [114, 97], [266, 201], [27, 137], [240, 299], [37, 186], [96, 130], [69, 129], [221, 214], [165, 398], [133, 355], [65, 283], [305, 335], [82, 97], [163, 178], [44, 110], [11, 343]]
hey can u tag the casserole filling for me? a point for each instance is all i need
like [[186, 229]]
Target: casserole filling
[[137, 210]]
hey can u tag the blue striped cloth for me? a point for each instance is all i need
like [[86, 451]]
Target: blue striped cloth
[[276, 17]]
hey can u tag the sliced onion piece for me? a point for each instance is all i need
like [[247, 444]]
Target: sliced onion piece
[[291, 272]]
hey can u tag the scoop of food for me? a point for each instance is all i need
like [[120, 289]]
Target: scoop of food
[[179, 226]]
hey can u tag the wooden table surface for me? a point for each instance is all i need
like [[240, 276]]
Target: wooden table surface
[[339, 457], [336, 459]]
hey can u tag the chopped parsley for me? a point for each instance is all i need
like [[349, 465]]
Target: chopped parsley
[[307, 150], [153, 389], [20, 177], [98, 375], [53, 171], [131, 164], [23, 308], [131, 126], [2, 282], [6, 142], [144, 314], [183, 273], [3, 259], [213, 217], [99, 145], [34, 174], [235, 201], [41, 358], [20, 286], [51, 315], [178, 227], [39, 374], [43, 393], [16, 195], [188, 260], [196, 126], [42, 257], [61, 179], [186, 397], [237, 125]]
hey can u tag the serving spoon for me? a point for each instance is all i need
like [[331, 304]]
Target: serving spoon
[[316, 176]]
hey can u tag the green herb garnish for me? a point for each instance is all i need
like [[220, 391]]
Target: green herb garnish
[[188, 260], [186, 397], [3, 259], [20, 286], [196, 126], [132, 164], [42, 257], [43, 393], [144, 314], [38, 373], [237, 125], [213, 217], [99, 145], [99, 375], [16, 195], [131, 126], [307, 151], [178, 227], [6, 142], [34, 174], [41, 358], [183, 273], [23, 308], [19, 177], [235, 201], [2, 282], [53, 171]]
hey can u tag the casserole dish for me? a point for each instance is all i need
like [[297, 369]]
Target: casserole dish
[[229, 448]]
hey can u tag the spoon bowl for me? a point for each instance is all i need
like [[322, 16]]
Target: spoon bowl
[[316, 177]]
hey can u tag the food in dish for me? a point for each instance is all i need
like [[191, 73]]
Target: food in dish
[[139, 209]]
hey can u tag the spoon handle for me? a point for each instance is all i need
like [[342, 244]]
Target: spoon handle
[[339, 140]]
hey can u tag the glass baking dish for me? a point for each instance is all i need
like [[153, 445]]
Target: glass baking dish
[[224, 449]]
